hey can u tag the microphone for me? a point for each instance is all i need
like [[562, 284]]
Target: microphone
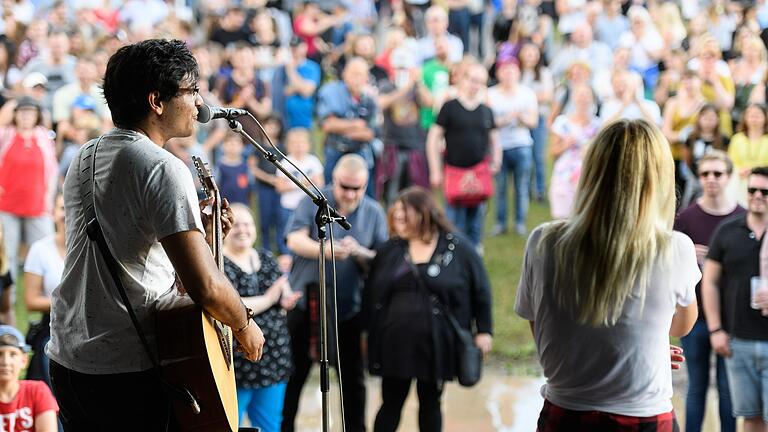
[[207, 113]]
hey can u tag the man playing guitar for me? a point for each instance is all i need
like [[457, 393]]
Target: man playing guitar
[[146, 205]]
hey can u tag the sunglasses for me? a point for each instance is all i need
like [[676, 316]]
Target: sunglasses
[[763, 192], [351, 188], [705, 174]]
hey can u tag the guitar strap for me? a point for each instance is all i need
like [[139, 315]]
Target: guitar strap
[[86, 173]]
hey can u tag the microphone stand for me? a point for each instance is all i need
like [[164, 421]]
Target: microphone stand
[[325, 216]]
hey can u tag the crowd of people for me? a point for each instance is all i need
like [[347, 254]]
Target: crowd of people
[[388, 106]]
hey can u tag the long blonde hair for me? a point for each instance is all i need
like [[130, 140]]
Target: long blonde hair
[[622, 221]]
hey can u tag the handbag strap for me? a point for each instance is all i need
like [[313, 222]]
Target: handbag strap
[[86, 174], [460, 331]]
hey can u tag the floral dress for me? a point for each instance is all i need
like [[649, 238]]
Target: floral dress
[[567, 168], [275, 365]]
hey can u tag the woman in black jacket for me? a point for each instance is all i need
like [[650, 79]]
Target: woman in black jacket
[[408, 337]]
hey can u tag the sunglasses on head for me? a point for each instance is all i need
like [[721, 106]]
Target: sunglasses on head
[[351, 188], [763, 192], [706, 174]]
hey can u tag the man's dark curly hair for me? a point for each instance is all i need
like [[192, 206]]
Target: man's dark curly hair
[[135, 71]]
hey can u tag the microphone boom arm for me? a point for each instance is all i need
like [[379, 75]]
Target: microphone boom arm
[[317, 197]]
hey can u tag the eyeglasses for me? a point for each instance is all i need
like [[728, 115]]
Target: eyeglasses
[[351, 188], [705, 174], [194, 91], [763, 192]]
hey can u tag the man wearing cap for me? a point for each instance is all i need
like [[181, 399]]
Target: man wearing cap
[[298, 79], [24, 405]]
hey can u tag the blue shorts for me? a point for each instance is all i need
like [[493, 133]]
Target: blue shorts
[[747, 370]]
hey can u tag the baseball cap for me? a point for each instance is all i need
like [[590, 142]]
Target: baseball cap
[[35, 79], [27, 102], [9, 336]]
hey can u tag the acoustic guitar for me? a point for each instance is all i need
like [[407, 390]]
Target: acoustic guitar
[[195, 350]]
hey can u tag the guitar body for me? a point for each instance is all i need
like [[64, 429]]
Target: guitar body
[[195, 350], [192, 358]]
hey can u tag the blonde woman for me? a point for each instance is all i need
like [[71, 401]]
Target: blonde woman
[[748, 149], [604, 290], [716, 82], [670, 24]]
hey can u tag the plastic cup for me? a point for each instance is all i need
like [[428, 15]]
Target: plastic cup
[[758, 284]]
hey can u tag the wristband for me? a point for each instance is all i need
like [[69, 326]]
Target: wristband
[[248, 315], [715, 330]]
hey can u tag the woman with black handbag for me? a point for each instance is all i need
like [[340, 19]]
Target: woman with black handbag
[[427, 293]]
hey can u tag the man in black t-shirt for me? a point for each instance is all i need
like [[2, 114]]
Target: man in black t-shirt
[[469, 130], [698, 222], [737, 331]]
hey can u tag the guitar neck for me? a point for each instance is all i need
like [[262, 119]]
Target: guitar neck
[[218, 232]]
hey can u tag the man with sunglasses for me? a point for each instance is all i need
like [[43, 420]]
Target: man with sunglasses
[[353, 250], [698, 222], [736, 330]]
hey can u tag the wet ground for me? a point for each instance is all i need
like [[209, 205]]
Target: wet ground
[[499, 403]]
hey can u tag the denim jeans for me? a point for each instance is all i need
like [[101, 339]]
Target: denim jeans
[[271, 220], [477, 21], [517, 160], [747, 369], [468, 220], [698, 352], [458, 24], [332, 156], [540, 136]]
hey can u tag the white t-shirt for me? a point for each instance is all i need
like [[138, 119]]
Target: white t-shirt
[[312, 166], [623, 369], [44, 260], [514, 134], [143, 194]]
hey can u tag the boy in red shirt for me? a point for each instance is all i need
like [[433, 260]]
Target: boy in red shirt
[[24, 405]]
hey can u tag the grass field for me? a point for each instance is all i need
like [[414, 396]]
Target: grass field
[[513, 344]]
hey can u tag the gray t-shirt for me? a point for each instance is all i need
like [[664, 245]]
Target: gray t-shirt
[[369, 228], [143, 194]]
